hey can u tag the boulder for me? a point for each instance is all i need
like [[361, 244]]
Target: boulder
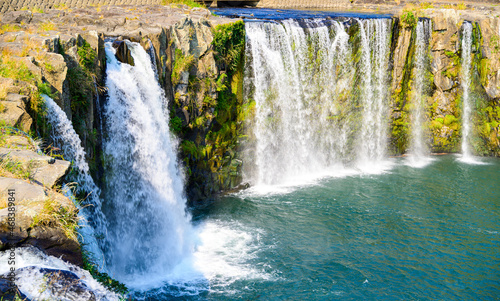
[[36, 215], [55, 70], [14, 112], [42, 169], [123, 53]]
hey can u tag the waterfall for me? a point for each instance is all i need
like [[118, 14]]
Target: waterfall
[[94, 223], [375, 59], [300, 75], [152, 56], [294, 81], [419, 151], [466, 82], [149, 231]]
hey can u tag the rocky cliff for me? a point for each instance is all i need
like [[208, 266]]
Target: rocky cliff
[[444, 91], [200, 63]]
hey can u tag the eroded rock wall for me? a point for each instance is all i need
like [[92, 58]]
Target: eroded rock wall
[[444, 96], [200, 66]]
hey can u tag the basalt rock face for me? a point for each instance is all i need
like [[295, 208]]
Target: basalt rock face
[[443, 105], [203, 82]]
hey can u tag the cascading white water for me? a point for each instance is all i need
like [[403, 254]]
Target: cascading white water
[[149, 231], [419, 152], [43, 277], [466, 82], [301, 78], [375, 59], [94, 223], [295, 71], [152, 243]]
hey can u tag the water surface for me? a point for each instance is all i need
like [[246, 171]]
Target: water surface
[[409, 234], [281, 14]]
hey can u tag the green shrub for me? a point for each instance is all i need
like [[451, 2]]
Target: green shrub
[[229, 44], [181, 63], [449, 119], [103, 278], [409, 19]]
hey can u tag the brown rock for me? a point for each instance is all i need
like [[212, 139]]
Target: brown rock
[[443, 82], [32, 225], [55, 71], [43, 169], [23, 191], [14, 112]]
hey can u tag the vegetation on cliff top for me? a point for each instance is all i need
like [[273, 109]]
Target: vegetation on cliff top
[[215, 108], [190, 3]]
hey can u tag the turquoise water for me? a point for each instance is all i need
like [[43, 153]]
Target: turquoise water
[[426, 234], [409, 234]]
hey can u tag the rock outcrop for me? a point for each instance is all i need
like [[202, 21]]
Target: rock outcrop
[[444, 82], [43, 218], [14, 111], [42, 169], [123, 53]]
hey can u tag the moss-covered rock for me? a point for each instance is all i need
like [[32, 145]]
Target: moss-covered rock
[[207, 109]]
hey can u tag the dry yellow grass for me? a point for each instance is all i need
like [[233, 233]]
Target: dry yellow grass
[[3, 92], [46, 26], [9, 28], [54, 214]]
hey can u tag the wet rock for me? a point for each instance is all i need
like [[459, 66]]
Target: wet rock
[[123, 53], [64, 285], [9, 290]]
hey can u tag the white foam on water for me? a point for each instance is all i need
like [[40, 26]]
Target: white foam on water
[[472, 160], [297, 183], [416, 161], [224, 254], [34, 284]]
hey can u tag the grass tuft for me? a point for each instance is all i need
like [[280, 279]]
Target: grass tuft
[[13, 168], [53, 214], [9, 28]]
